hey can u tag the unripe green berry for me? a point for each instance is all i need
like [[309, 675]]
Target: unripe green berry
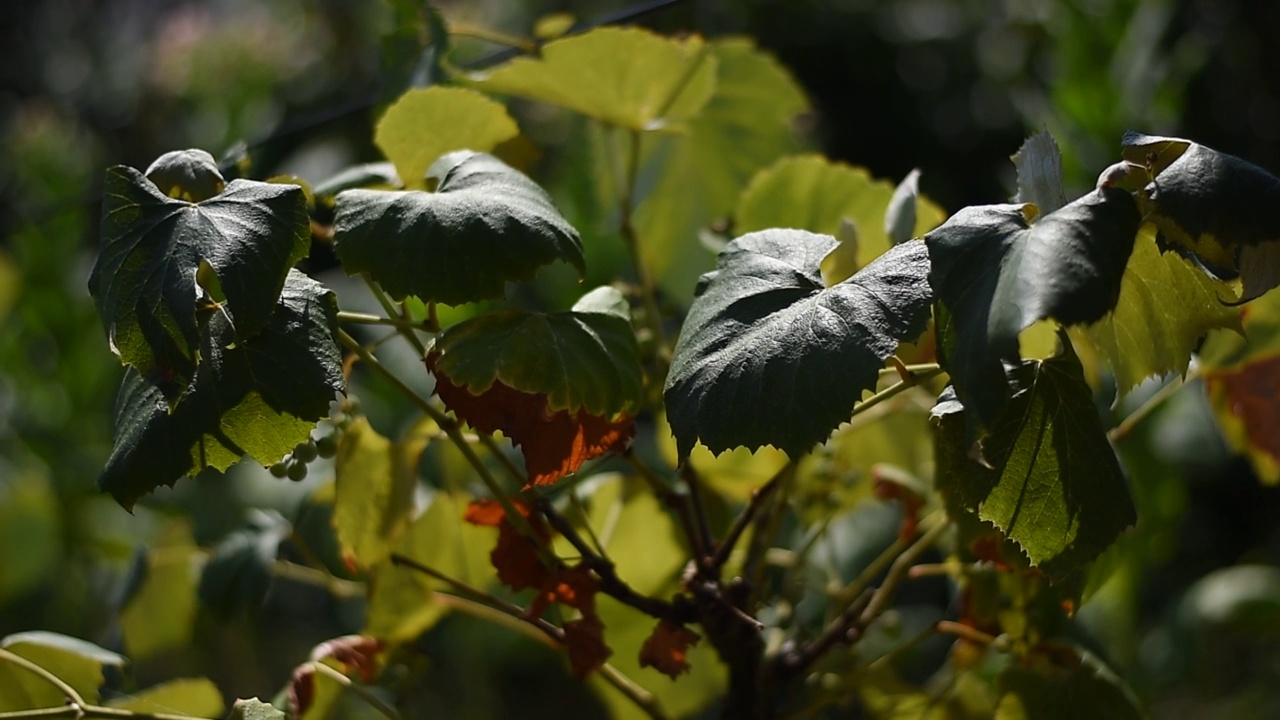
[[279, 470], [305, 452], [295, 470], [327, 446]]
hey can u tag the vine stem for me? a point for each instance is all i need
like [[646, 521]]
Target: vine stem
[[367, 319], [76, 706], [361, 691], [758, 497], [464, 29], [640, 697], [1144, 411], [450, 428], [630, 236]]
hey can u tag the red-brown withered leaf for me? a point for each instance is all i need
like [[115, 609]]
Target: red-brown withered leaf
[[584, 641], [357, 653], [515, 557], [554, 443], [1249, 395], [667, 649]]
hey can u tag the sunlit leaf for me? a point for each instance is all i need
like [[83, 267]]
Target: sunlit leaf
[[1053, 484], [375, 480], [76, 662], [1224, 209], [484, 226], [812, 193], [629, 77], [258, 398], [198, 697], [254, 709], [900, 215], [1039, 164], [1166, 307], [146, 281], [747, 124], [426, 123], [995, 274], [765, 339], [159, 613]]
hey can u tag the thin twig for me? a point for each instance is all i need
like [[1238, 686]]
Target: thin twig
[[62, 687], [367, 319], [1144, 411], [701, 522], [363, 693], [730, 540]]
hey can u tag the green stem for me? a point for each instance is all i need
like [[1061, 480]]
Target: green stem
[[367, 319], [62, 687], [1153, 403], [393, 311], [928, 372], [630, 236], [463, 29], [76, 706], [361, 691], [725, 548]]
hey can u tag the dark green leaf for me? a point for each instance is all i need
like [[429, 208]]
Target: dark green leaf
[[146, 282], [996, 275], [261, 397], [1087, 690], [584, 359], [1052, 483], [238, 573], [485, 225], [190, 175], [769, 356], [1224, 209]]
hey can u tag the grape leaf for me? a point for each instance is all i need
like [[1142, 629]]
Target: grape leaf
[[667, 649], [485, 225], [1224, 209], [255, 709], [995, 275], [1053, 484], [1166, 307], [197, 697], [584, 359], [770, 356], [1039, 164], [159, 613], [747, 123], [238, 573], [76, 662], [259, 398], [426, 123], [374, 482], [629, 77], [812, 193], [147, 281]]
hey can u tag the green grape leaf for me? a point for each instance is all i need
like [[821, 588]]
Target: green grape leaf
[[76, 662], [560, 385], [812, 193], [1224, 209], [765, 341], [378, 175], [190, 175], [1085, 690], [159, 613], [238, 572], [259, 398], [198, 697], [995, 275], [747, 124], [485, 225], [1166, 307], [629, 77], [148, 280], [584, 359], [1051, 482], [375, 479], [426, 123]]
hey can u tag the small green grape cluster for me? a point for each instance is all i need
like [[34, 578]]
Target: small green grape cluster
[[294, 465]]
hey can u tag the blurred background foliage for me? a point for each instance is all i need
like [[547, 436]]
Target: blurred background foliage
[[1190, 612]]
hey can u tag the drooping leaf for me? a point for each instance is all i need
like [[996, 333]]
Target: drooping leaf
[[747, 124], [485, 225], [147, 281], [1166, 307], [1224, 209], [259, 398], [770, 356], [426, 123], [584, 359], [629, 77], [1053, 484], [189, 175], [197, 697], [812, 193], [1085, 690], [667, 649], [238, 573], [996, 274], [76, 662], [375, 480], [900, 215], [1039, 164]]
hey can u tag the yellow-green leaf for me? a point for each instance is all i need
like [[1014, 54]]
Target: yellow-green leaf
[[1166, 306], [186, 696], [160, 613], [426, 123], [78, 663], [629, 77]]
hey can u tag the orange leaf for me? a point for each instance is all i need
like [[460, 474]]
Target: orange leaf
[[1247, 399], [575, 587], [584, 640], [667, 649], [515, 557], [554, 443]]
